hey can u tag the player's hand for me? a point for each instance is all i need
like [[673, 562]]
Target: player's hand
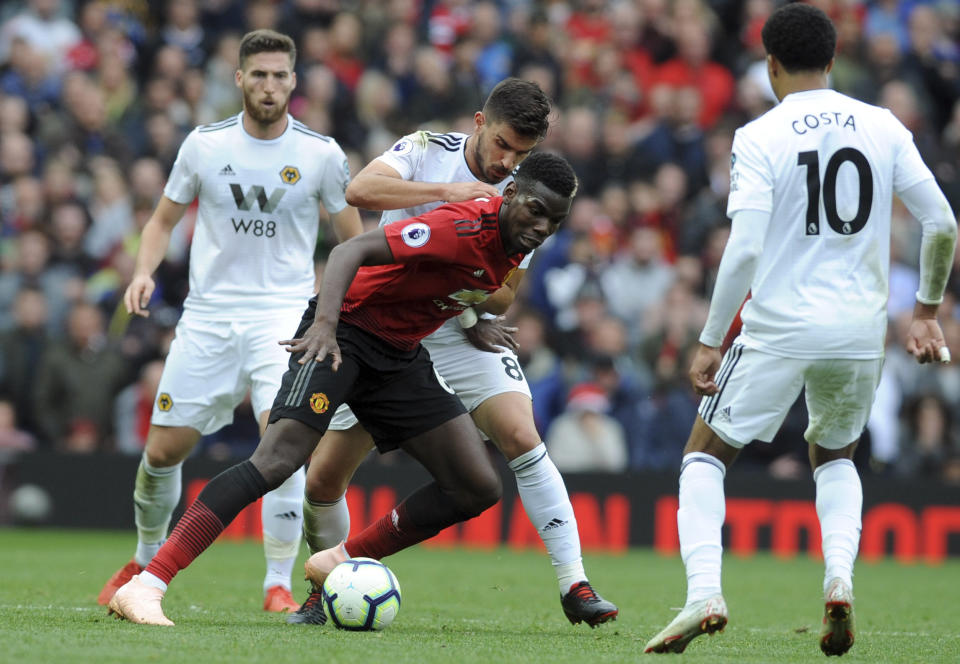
[[492, 336], [706, 363], [467, 191], [316, 344], [138, 294], [925, 341]]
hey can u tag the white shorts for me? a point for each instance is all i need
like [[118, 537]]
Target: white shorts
[[212, 364], [757, 389], [475, 375]]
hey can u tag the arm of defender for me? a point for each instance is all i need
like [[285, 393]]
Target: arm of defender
[[927, 203], [154, 242], [734, 277], [380, 187], [346, 223]]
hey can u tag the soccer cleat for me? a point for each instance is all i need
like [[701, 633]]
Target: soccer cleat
[[836, 635], [320, 564], [119, 578], [704, 617], [278, 600], [583, 604], [137, 602], [310, 612]]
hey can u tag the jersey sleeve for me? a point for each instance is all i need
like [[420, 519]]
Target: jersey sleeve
[[183, 185], [908, 166], [751, 179], [427, 237], [406, 154], [336, 177]]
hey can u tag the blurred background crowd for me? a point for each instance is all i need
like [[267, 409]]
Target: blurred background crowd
[[96, 96]]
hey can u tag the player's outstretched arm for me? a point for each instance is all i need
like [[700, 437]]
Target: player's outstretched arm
[[380, 187], [154, 242], [320, 339]]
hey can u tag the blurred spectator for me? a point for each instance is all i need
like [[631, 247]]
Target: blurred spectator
[[12, 437], [42, 26], [638, 278], [31, 268], [929, 438], [133, 407], [585, 438], [21, 349], [76, 384]]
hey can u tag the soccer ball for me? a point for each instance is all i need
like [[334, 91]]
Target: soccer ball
[[361, 594]]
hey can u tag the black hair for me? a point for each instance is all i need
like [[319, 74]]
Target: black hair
[[522, 105], [553, 171], [801, 37], [267, 41]]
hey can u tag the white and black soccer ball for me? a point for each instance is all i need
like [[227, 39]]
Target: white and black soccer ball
[[361, 594]]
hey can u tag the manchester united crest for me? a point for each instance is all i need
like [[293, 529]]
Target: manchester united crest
[[319, 403]]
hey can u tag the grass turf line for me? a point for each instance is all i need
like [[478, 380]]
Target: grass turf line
[[458, 606]]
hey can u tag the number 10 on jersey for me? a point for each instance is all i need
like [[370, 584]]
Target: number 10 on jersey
[[811, 159]]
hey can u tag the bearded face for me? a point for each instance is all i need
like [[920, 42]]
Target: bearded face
[[267, 81]]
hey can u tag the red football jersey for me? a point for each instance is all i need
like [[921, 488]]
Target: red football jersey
[[446, 260]]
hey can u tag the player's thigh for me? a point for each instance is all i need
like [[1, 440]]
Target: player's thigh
[[168, 446], [756, 390], [457, 458], [201, 383], [507, 419], [264, 359], [335, 460], [475, 375], [839, 396]]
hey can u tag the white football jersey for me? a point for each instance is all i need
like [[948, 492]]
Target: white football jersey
[[258, 215], [424, 156], [825, 166]]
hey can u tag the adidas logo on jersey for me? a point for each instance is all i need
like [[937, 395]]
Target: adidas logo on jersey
[[478, 273], [724, 414], [226, 170]]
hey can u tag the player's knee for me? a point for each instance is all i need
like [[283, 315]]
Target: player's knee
[[517, 440], [162, 456], [482, 494], [324, 482]]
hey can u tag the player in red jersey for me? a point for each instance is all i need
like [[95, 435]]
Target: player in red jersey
[[359, 343]]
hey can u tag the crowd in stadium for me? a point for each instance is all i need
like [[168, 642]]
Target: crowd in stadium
[[96, 97]]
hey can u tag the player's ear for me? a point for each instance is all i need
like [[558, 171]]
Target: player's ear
[[479, 120], [830, 64], [510, 192], [238, 78]]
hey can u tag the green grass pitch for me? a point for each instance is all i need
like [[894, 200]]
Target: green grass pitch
[[458, 606]]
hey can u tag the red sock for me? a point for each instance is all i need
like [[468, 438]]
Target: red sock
[[195, 531], [391, 533]]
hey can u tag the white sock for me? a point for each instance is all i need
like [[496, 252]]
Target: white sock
[[548, 507], [699, 520], [839, 506], [153, 581], [282, 514], [325, 524], [156, 493]]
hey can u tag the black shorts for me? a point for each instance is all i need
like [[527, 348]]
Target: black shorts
[[396, 394]]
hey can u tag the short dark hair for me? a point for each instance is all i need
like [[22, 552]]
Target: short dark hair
[[801, 37], [551, 170], [267, 41], [522, 105]]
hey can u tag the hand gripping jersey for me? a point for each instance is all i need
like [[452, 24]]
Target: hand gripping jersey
[[825, 167], [258, 215], [446, 260]]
